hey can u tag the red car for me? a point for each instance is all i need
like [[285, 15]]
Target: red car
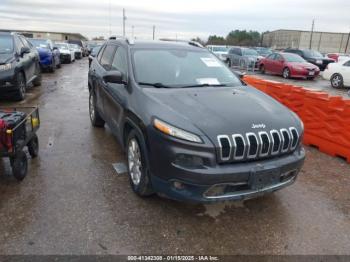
[[288, 65]]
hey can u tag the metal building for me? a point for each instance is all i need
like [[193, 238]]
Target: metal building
[[325, 42], [54, 36]]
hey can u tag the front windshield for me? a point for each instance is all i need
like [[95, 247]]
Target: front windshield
[[6, 44], [39, 43], [293, 58], [312, 53], [220, 49], [61, 46], [250, 52], [264, 51], [178, 67]]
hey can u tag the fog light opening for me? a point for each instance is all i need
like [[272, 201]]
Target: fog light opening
[[288, 175], [179, 185]]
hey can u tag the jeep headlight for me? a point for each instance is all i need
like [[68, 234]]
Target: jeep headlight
[[176, 132], [5, 67]]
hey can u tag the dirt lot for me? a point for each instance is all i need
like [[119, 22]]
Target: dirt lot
[[73, 201]]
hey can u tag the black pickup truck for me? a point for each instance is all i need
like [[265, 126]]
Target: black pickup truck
[[191, 129]]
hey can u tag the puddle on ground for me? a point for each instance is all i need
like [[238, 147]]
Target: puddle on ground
[[215, 210]]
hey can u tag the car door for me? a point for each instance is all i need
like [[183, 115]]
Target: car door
[[278, 63], [346, 73], [116, 94], [102, 65], [25, 60], [268, 62], [237, 56]]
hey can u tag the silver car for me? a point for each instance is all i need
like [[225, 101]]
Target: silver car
[[243, 57]]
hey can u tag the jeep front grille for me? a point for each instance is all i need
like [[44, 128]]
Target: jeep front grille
[[253, 146]]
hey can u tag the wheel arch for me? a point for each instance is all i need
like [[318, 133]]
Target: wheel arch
[[132, 121]]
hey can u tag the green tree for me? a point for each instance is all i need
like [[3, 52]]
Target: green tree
[[216, 40], [243, 38]]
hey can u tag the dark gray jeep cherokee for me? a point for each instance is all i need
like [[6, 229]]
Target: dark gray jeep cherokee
[[190, 128]]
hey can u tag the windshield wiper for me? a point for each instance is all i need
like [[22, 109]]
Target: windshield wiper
[[204, 85], [157, 85]]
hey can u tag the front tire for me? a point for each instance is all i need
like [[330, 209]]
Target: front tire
[[19, 166], [21, 86], [137, 165], [337, 81], [95, 118]]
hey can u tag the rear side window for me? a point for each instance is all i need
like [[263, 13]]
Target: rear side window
[[107, 56], [347, 63], [99, 56], [272, 56]]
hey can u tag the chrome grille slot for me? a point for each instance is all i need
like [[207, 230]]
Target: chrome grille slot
[[253, 145], [276, 142], [285, 140], [239, 147], [225, 147], [264, 143], [295, 137]]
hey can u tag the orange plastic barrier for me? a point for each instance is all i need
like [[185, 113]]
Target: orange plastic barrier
[[326, 118]]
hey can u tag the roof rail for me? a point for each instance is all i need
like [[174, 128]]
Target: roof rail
[[193, 43], [129, 41]]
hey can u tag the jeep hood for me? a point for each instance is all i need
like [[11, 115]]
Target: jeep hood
[[224, 110]]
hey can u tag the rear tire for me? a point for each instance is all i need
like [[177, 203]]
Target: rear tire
[[21, 85], [37, 80], [337, 81], [286, 73], [33, 146], [19, 166], [262, 69], [95, 118], [137, 165], [53, 66]]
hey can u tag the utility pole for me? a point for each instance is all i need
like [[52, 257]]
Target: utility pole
[[312, 32], [347, 43], [154, 31], [124, 18], [110, 26]]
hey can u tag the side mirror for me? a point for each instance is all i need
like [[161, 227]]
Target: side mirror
[[55, 48], [25, 50], [114, 77]]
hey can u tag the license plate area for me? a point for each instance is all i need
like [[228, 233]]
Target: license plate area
[[312, 73], [264, 178]]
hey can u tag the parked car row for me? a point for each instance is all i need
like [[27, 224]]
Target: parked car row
[[23, 59], [288, 63]]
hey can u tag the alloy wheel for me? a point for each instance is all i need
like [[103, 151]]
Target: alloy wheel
[[336, 81], [92, 107], [134, 161]]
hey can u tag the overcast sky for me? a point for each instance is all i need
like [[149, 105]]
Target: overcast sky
[[181, 18]]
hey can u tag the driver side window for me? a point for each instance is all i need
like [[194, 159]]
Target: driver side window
[[120, 62]]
